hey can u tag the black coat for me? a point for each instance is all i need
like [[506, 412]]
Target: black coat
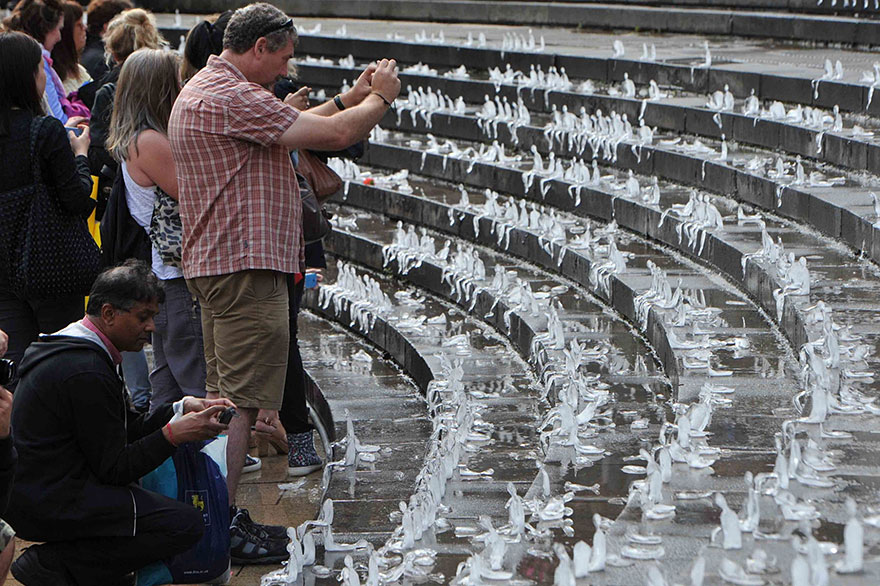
[[80, 449], [66, 176], [93, 57]]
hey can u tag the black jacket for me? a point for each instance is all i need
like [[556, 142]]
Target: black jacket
[[93, 57], [99, 126], [80, 448]]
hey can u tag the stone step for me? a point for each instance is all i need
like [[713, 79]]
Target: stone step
[[853, 8], [430, 211], [843, 212], [367, 517], [783, 25], [685, 547], [724, 250], [378, 231], [773, 76], [683, 112]]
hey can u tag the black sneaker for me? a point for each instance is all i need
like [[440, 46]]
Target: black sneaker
[[243, 517], [245, 548], [251, 464], [37, 568]]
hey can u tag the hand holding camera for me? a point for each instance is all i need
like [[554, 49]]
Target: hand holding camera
[[385, 81]]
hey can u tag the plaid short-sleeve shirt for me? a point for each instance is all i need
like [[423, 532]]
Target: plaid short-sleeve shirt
[[239, 198]]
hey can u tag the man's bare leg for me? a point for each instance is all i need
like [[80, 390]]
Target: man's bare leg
[[6, 560], [236, 448]]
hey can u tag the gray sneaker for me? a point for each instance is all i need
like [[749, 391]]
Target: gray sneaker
[[302, 458]]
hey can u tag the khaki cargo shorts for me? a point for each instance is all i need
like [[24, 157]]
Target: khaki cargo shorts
[[245, 324]]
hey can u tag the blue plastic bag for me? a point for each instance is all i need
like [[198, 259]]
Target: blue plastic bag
[[195, 474]]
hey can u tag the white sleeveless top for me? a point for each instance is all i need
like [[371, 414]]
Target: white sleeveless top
[[140, 204]]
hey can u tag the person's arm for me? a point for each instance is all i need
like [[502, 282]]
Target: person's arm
[[151, 162], [66, 168], [336, 132], [97, 413], [143, 424]]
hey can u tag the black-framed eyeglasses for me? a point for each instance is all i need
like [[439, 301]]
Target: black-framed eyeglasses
[[288, 24]]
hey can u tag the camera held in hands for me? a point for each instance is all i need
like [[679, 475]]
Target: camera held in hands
[[7, 371], [227, 414]]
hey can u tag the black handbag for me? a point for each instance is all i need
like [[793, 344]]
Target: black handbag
[[315, 219], [121, 237], [57, 255]]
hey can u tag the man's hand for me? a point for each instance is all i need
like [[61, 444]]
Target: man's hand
[[5, 412], [4, 343], [195, 405], [196, 426], [361, 88], [385, 81], [299, 99]]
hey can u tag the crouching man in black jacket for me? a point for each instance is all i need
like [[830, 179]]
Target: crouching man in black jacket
[[81, 449]]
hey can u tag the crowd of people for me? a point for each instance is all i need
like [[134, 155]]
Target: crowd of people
[[194, 166]]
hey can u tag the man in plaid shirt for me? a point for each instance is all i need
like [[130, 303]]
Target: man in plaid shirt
[[241, 214]]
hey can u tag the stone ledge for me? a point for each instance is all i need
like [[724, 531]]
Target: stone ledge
[[674, 114], [668, 19]]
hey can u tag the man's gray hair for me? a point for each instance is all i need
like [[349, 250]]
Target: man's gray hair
[[255, 21]]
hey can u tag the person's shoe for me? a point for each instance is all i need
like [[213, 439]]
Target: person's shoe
[[302, 458], [246, 548], [243, 517], [35, 568], [251, 464]]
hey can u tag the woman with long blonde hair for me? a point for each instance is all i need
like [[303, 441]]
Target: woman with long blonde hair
[[145, 93]]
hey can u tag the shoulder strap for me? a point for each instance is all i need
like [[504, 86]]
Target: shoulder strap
[[36, 168]]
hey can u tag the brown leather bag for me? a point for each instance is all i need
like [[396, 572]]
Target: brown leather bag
[[323, 180], [315, 219]]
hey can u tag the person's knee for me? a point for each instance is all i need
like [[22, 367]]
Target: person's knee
[[189, 527]]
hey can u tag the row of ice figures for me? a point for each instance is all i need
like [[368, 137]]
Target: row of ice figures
[[833, 365], [425, 103], [535, 79], [852, 4], [420, 68], [601, 133], [361, 295], [649, 52], [500, 111]]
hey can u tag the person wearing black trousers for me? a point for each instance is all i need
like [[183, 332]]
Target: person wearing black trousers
[[302, 458]]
